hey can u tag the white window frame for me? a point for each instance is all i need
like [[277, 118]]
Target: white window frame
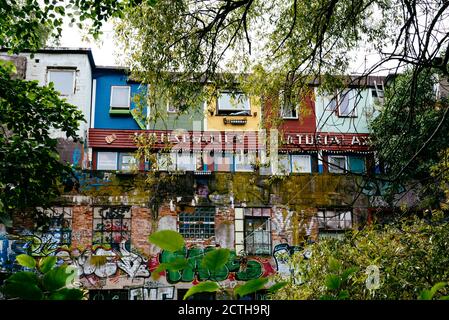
[[163, 163], [284, 169], [134, 166], [250, 158], [351, 95], [236, 93], [308, 169], [330, 166], [171, 111], [282, 104], [99, 167], [73, 71], [120, 107], [193, 161]]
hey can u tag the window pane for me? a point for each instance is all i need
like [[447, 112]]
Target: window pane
[[186, 162], [284, 163], [127, 162], [223, 163], [243, 162], [233, 102], [347, 103], [62, 81], [107, 161], [301, 163], [357, 164], [166, 161], [120, 97], [337, 164]]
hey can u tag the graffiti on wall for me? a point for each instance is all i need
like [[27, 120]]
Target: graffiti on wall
[[96, 265], [237, 268], [281, 254]]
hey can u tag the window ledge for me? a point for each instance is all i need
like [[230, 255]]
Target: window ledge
[[120, 111]]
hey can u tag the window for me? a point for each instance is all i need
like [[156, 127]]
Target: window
[[289, 107], [257, 231], [112, 226], [334, 219], [284, 163], [107, 161], [116, 161], [59, 231], [244, 162], [347, 103], [337, 164], [229, 103], [166, 161], [223, 162], [301, 163], [356, 164], [199, 225], [63, 80], [171, 108], [120, 97], [127, 162], [186, 161]]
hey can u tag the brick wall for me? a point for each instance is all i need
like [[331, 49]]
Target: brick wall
[[140, 229], [82, 223]]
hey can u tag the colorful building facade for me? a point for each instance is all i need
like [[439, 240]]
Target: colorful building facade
[[220, 184]]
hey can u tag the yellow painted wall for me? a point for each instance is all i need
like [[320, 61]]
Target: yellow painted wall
[[215, 122]]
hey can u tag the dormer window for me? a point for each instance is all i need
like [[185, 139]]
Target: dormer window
[[120, 99], [233, 104]]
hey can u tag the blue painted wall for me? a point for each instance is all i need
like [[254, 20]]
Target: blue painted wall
[[105, 79]]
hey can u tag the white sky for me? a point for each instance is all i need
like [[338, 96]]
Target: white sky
[[103, 50]]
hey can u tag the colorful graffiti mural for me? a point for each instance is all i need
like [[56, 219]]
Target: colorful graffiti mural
[[237, 268]]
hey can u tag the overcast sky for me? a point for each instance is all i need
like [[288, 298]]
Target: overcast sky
[[105, 55]]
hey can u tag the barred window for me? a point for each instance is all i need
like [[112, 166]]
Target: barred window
[[198, 225], [257, 231], [59, 228], [334, 219], [112, 226]]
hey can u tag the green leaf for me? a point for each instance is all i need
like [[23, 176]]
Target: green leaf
[[334, 264], [277, 286], [425, 295], [175, 265], [343, 295], [208, 286], [67, 294], [333, 282], [23, 277], [327, 297], [251, 286], [429, 294], [26, 261], [345, 275], [23, 285], [59, 277], [437, 286], [47, 263], [216, 259], [167, 240]]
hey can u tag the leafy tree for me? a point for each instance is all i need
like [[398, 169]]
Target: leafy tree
[[29, 162], [267, 46], [411, 130], [29, 166], [395, 261]]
